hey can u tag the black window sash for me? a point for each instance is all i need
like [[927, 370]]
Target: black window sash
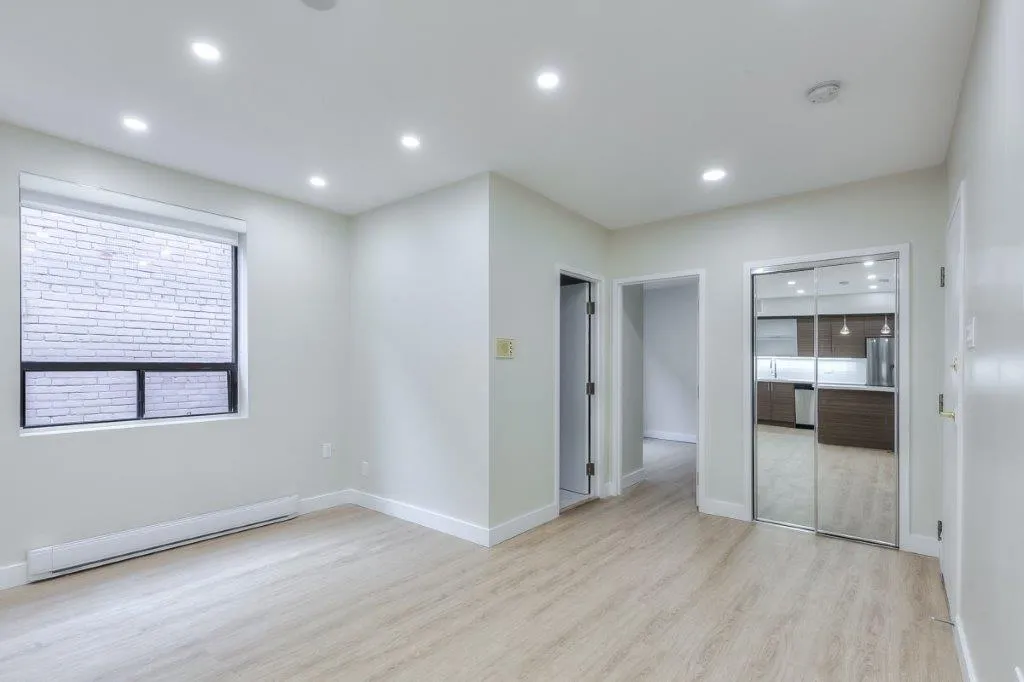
[[230, 370]]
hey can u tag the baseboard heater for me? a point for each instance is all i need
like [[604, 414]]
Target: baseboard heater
[[50, 562]]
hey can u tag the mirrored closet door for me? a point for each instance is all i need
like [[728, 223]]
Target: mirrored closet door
[[825, 398]]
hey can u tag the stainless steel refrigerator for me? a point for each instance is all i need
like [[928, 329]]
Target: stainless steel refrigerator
[[881, 353]]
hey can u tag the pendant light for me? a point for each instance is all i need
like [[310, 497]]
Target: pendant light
[[886, 329], [845, 331]]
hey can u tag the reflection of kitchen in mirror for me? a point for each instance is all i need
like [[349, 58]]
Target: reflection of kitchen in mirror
[[857, 467], [825, 345]]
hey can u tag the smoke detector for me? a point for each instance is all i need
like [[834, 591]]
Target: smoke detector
[[823, 93], [320, 5]]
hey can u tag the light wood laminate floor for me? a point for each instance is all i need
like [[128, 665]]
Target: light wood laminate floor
[[640, 587], [856, 486]]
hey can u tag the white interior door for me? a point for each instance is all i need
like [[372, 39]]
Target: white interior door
[[574, 408], [952, 447]]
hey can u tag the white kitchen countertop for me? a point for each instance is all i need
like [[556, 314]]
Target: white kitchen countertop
[[858, 387], [835, 387]]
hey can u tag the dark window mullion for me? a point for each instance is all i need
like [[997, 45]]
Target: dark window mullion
[[140, 394]]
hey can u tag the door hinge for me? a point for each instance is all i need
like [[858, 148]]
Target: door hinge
[[591, 470], [942, 276], [938, 531], [942, 402], [591, 308], [591, 389]]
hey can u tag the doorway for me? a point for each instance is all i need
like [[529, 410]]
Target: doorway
[[949, 532], [825, 396], [658, 368], [576, 466]]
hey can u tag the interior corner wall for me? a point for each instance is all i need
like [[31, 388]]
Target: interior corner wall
[[420, 351], [906, 208], [671, 333], [60, 487], [987, 155], [633, 360], [530, 237]]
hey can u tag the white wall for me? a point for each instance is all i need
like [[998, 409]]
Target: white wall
[[671, 332], [633, 326], [530, 237], [988, 155], [420, 351], [61, 487], [903, 208]]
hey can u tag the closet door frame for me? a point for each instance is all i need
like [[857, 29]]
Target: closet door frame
[[904, 539]]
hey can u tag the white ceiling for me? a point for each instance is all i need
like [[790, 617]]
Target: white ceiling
[[833, 280], [654, 92]]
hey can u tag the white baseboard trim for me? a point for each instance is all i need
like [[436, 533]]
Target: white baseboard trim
[[633, 478], [671, 435], [521, 524], [963, 653], [921, 544], [424, 517], [732, 510], [308, 505], [13, 575]]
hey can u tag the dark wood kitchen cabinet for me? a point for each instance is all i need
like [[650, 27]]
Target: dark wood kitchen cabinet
[[776, 403], [860, 419], [833, 344], [805, 337]]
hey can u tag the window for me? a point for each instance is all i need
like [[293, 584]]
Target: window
[[123, 319]]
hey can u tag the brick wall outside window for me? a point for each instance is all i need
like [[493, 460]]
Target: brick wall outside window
[[97, 291]]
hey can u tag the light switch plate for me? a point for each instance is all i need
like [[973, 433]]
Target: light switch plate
[[326, 450], [505, 349]]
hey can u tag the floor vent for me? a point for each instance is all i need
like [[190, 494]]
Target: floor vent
[[49, 562]]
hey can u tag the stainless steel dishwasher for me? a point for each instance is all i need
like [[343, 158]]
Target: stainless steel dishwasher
[[805, 406]]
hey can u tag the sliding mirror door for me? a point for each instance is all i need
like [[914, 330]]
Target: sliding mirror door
[[857, 467], [784, 398]]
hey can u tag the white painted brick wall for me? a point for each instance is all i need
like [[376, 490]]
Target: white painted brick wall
[[97, 291]]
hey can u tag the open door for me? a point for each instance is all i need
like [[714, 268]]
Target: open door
[[949, 531], [575, 466]]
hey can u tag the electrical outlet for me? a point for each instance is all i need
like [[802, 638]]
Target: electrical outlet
[[326, 450], [366, 468]]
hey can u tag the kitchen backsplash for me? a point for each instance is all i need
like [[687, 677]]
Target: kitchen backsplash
[[830, 370]]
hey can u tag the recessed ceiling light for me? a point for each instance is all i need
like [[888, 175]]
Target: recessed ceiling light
[[317, 181], [800, 291], [143, 263], [872, 276], [410, 141], [135, 124], [548, 80], [868, 263], [791, 283], [873, 286], [206, 51], [714, 174]]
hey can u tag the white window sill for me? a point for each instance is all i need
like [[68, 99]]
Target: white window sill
[[140, 423]]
